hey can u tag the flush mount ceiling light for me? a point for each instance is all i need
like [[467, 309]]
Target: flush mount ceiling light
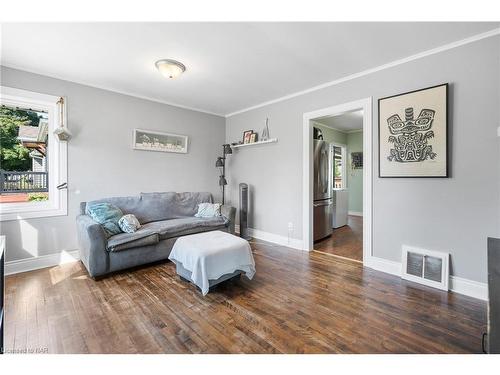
[[170, 68]]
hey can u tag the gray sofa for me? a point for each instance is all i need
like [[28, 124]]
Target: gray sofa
[[164, 217]]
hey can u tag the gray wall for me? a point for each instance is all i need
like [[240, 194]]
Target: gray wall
[[101, 160], [331, 135], [455, 214]]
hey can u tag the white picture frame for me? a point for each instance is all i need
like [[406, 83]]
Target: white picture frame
[[152, 140]]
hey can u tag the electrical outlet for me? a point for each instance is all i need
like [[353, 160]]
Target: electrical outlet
[[290, 226]]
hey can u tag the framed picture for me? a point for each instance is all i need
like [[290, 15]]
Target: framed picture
[[246, 136], [413, 133], [253, 137], [357, 160], [151, 140]]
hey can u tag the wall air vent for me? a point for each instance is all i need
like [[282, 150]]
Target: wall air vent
[[426, 267]]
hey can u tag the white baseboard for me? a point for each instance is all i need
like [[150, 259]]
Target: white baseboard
[[459, 285], [274, 238], [469, 287], [355, 213], [383, 265], [43, 261]]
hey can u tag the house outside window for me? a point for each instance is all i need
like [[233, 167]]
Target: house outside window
[[32, 160]]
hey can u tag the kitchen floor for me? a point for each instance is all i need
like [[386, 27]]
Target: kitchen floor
[[346, 241]]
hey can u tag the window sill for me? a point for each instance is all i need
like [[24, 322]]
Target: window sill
[[18, 213]]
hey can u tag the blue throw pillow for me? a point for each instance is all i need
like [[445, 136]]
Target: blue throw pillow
[[107, 215]]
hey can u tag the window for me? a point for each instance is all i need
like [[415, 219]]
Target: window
[[339, 166], [32, 160]]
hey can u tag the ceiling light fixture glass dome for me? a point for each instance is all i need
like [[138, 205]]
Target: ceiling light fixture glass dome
[[170, 68]]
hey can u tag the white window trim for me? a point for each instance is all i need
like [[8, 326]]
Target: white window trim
[[344, 163], [57, 205]]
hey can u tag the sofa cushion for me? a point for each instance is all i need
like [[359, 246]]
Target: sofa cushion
[[183, 226], [128, 223], [208, 210], [123, 241], [148, 207], [170, 205], [107, 215]]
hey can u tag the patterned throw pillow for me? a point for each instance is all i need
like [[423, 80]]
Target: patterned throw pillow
[[208, 210], [129, 223], [107, 215]]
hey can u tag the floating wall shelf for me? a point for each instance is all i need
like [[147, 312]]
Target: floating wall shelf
[[272, 140]]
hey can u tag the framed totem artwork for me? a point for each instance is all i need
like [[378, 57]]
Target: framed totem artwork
[[413, 133]]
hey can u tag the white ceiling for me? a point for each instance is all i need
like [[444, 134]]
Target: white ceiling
[[230, 66], [345, 122]]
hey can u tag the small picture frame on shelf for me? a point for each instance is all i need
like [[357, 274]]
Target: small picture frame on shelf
[[247, 135], [253, 137]]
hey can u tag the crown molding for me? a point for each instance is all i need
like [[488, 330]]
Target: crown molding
[[111, 89], [363, 73], [338, 130]]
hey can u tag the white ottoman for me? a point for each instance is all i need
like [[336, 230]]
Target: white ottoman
[[209, 258]]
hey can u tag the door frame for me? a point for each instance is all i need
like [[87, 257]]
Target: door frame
[[307, 169]]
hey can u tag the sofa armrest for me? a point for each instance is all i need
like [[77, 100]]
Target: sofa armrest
[[229, 213], [92, 244]]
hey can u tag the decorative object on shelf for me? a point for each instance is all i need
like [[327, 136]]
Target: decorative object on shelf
[[253, 138], [221, 164], [265, 131], [246, 136], [62, 132], [170, 68], [415, 146], [357, 160], [151, 140]]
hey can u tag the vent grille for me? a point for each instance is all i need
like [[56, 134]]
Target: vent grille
[[415, 264], [426, 267]]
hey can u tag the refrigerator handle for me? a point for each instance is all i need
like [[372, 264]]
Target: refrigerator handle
[[325, 202]]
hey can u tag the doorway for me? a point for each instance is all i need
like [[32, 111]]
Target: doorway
[[350, 167]]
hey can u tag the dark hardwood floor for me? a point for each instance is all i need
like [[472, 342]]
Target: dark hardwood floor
[[298, 302], [346, 241]]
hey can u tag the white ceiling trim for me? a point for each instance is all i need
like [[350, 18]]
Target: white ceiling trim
[[13, 66], [350, 77]]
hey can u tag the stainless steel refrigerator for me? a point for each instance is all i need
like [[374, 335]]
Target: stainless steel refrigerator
[[323, 190]]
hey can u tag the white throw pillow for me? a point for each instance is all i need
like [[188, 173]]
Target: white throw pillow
[[129, 223], [208, 210]]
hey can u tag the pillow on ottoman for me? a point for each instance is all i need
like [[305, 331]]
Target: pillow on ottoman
[[107, 215], [208, 210], [129, 223]]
